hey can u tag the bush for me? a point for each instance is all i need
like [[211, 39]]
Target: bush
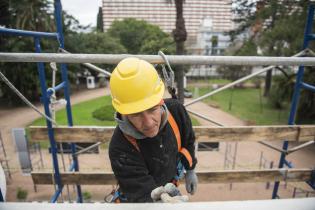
[[105, 113], [21, 194], [281, 91], [87, 196], [233, 72]]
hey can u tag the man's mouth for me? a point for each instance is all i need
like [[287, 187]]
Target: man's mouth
[[149, 129]]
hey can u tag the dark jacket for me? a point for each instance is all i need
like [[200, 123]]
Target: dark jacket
[[138, 173]]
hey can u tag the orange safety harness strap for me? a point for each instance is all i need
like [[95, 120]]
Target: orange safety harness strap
[[181, 149], [175, 129], [133, 141], [187, 155]]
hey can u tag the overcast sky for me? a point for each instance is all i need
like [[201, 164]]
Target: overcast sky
[[83, 10]]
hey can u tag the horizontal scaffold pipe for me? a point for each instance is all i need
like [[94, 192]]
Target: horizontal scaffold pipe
[[93, 134], [226, 176], [156, 59], [17, 32]]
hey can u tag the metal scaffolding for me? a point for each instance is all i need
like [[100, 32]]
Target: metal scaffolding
[[156, 59], [299, 85], [46, 94]]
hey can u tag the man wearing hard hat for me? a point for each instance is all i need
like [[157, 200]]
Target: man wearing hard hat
[[153, 143]]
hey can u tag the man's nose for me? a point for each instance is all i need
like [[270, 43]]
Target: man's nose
[[147, 119]]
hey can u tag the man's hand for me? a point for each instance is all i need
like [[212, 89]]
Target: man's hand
[[172, 190], [157, 192], [168, 194], [191, 181], [166, 198]]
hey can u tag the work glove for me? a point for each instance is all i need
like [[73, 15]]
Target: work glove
[[191, 181], [168, 194], [172, 190], [166, 198], [157, 192]]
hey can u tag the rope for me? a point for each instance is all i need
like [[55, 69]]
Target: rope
[[25, 100], [53, 102], [53, 95]]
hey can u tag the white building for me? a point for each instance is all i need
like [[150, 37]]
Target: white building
[[163, 13], [210, 41]]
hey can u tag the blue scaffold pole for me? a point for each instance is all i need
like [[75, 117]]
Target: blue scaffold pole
[[45, 100], [18, 32], [64, 75], [297, 88]]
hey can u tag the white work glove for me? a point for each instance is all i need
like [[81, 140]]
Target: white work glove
[[166, 198], [191, 181], [157, 192], [168, 194], [172, 190]]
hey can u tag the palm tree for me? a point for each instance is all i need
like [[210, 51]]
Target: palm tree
[[180, 36]]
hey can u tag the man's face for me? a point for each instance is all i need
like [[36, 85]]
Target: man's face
[[147, 122]]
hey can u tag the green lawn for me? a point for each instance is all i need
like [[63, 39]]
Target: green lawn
[[194, 121], [82, 113], [246, 106]]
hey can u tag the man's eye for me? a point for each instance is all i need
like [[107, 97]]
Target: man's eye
[[154, 109], [134, 115]]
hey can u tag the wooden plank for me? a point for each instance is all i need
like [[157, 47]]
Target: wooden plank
[[290, 175], [83, 178], [77, 134], [302, 186], [256, 133], [90, 134], [102, 178]]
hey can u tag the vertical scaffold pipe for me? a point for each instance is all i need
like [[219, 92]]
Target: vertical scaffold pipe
[[45, 101], [64, 75], [296, 94]]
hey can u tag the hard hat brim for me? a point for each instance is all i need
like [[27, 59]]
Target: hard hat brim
[[141, 105]]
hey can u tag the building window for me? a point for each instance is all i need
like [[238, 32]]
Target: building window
[[214, 41], [207, 52]]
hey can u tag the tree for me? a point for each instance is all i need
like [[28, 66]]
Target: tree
[[4, 13], [28, 15], [180, 36], [100, 43], [278, 28], [36, 15], [236, 72], [138, 36], [99, 22], [94, 43], [267, 22]]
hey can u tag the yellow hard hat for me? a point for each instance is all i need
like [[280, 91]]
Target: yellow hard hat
[[135, 86]]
